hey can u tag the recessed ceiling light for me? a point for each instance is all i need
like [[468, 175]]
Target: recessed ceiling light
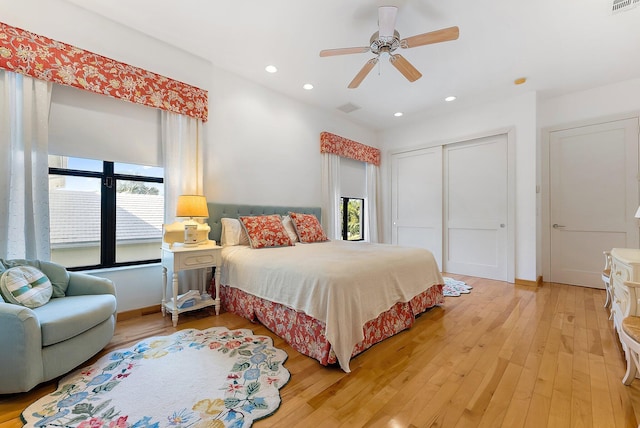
[[450, 98], [520, 80], [398, 114], [271, 68], [308, 86]]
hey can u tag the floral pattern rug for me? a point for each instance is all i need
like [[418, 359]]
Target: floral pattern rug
[[454, 288], [211, 378]]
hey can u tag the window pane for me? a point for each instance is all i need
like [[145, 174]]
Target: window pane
[[342, 225], [354, 220], [140, 170], [80, 164], [139, 218], [74, 205]]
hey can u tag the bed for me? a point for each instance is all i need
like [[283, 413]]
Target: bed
[[329, 300]]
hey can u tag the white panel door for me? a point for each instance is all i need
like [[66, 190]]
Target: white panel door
[[593, 192], [476, 210], [416, 206]]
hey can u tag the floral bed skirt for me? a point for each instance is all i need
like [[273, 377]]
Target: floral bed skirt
[[306, 334]]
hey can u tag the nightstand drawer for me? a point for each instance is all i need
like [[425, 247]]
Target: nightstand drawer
[[194, 261]]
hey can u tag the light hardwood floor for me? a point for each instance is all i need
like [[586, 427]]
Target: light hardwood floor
[[502, 356]]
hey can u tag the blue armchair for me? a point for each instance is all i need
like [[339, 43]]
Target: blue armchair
[[43, 343]]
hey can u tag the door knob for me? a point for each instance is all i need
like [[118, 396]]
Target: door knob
[[502, 225], [557, 226]]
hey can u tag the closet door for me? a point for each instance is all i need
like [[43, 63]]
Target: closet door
[[476, 208], [416, 206]]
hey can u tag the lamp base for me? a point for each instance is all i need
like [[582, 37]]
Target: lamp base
[[190, 234]]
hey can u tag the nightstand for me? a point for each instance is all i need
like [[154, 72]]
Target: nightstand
[[178, 258]]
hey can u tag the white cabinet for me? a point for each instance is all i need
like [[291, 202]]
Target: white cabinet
[[625, 266], [178, 258]]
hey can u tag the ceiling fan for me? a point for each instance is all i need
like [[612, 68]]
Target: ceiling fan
[[387, 40]]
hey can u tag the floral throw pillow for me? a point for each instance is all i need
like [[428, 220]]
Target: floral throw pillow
[[265, 231], [308, 228]]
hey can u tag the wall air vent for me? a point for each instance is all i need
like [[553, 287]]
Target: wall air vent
[[623, 5], [348, 108]]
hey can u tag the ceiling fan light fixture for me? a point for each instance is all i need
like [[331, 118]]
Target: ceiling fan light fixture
[[379, 44], [450, 98], [398, 114], [270, 69], [387, 40], [307, 86]]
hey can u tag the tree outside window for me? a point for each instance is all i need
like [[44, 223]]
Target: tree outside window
[[352, 214]]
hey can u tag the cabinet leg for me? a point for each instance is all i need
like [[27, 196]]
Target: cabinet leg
[[174, 313], [164, 291], [217, 283], [174, 318]]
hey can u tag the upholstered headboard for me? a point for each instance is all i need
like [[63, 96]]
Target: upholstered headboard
[[219, 210]]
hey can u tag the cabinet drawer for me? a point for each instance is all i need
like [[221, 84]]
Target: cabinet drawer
[[193, 261]]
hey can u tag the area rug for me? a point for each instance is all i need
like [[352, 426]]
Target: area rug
[[454, 288], [193, 378]]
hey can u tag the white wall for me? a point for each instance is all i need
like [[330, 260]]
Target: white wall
[[517, 113], [603, 101], [261, 147]]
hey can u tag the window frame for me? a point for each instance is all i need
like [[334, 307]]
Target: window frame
[[108, 192], [345, 218]]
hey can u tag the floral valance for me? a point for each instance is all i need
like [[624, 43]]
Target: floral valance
[[46, 59], [332, 143]]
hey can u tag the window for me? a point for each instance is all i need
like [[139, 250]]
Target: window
[[104, 214], [352, 214]]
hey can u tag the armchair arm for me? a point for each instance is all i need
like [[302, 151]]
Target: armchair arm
[[83, 284], [21, 351]]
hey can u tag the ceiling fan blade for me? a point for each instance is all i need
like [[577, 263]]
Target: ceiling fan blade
[[387, 20], [344, 51], [363, 73], [409, 71], [444, 35]]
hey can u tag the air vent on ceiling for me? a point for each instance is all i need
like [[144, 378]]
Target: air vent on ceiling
[[348, 108], [623, 5]]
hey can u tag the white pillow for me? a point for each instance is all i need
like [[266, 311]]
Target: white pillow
[[233, 233], [290, 228], [26, 286]]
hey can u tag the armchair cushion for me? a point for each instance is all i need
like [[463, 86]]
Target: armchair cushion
[[26, 286], [67, 317]]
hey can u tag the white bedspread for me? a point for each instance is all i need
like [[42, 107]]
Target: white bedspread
[[343, 284]]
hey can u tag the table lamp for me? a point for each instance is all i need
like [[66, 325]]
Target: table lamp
[[191, 206]]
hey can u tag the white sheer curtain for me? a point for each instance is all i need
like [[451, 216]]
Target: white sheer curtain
[[183, 173], [182, 156], [24, 171], [371, 228], [331, 195]]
